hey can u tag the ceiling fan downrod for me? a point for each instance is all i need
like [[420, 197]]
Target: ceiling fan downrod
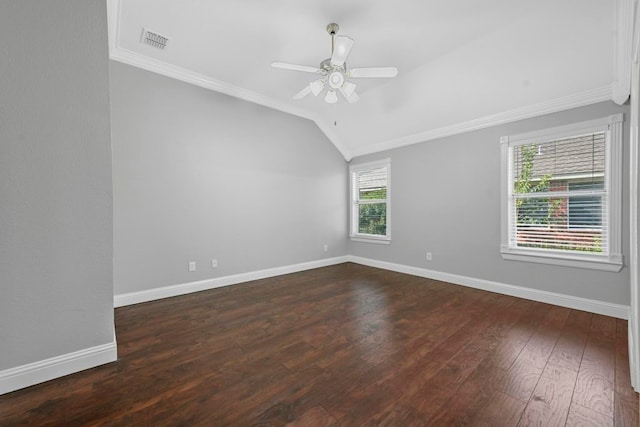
[[332, 29]]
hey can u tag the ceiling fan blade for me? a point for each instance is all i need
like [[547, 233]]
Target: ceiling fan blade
[[295, 67], [304, 92], [351, 98], [316, 86], [372, 72], [341, 50]]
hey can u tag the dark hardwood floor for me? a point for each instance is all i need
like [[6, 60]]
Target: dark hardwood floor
[[346, 345]]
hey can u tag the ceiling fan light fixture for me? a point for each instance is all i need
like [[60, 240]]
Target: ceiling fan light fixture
[[336, 79], [348, 88], [331, 97], [316, 86]]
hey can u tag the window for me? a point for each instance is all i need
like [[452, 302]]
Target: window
[[370, 199], [561, 195]]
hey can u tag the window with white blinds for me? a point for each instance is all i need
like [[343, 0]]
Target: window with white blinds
[[370, 197], [561, 195]]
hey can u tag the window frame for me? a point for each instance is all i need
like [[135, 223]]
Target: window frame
[[611, 261], [354, 210]]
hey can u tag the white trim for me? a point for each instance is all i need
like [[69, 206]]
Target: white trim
[[613, 184], [203, 285], [376, 240], [369, 165], [634, 202], [635, 42], [38, 372], [581, 99], [593, 262], [559, 132], [577, 303], [622, 50], [113, 23]]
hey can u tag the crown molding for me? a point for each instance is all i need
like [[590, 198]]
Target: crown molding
[[113, 23], [618, 91], [622, 50], [160, 67], [118, 53], [553, 106]]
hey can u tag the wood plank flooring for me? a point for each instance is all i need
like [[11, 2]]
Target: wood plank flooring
[[346, 345]]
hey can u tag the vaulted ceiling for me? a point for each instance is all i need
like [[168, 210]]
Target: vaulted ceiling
[[463, 64]]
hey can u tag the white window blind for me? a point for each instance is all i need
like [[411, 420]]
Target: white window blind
[[559, 195]]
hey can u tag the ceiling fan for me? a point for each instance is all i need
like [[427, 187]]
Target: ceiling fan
[[334, 72]]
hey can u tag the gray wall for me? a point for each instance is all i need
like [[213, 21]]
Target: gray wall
[[201, 175], [56, 290], [446, 200]]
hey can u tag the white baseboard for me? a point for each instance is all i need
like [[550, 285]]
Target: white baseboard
[[203, 285], [578, 303], [55, 367], [593, 306]]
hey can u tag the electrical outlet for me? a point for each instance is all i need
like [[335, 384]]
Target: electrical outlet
[[214, 263], [325, 248], [429, 257], [192, 266]]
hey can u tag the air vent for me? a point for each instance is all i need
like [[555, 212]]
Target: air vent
[[154, 39]]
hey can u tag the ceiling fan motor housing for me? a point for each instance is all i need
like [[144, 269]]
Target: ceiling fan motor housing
[[336, 79]]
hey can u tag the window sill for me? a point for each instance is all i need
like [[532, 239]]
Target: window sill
[[383, 240], [611, 263]]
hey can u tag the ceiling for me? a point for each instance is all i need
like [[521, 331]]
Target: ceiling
[[462, 64]]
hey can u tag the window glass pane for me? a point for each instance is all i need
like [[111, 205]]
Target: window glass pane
[[537, 166], [529, 176], [545, 223], [373, 218], [372, 184], [595, 184], [562, 166], [585, 212], [533, 212], [587, 240]]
